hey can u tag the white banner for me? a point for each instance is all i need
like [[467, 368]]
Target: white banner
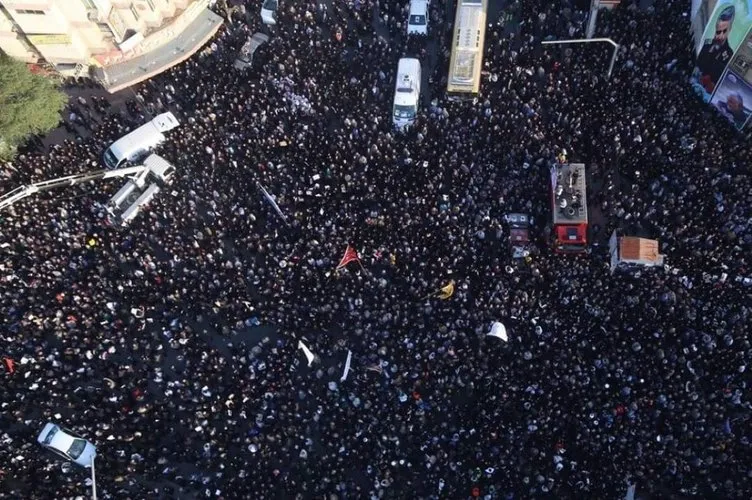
[[273, 202], [347, 366], [308, 354]]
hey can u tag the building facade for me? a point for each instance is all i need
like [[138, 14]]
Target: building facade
[[105, 37]]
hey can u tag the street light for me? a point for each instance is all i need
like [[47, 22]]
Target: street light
[[590, 40], [93, 480]]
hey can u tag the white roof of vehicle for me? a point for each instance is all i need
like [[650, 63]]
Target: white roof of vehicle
[[60, 441], [158, 165], [418, 7], [406, 88], [165, 122]]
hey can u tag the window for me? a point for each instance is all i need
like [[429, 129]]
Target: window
[[50, 435], [106, 30], [135, 13], [151, 5], [30, 12], [76, 448], [417, 20]]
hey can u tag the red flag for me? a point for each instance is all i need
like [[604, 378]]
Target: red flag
[[350, 255], [10, 364]]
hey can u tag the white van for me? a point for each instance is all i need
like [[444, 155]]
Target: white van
[[138, 142], [406, 92], [417, 22]]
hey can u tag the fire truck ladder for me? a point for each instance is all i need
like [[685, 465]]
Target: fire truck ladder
[[22, 192]]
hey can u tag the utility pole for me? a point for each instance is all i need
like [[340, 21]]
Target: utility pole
[[591, 40], [93, 480]]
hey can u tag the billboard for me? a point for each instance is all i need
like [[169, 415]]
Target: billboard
[[741, 63], [53, 39], [701, 10], [726, 28], [733, 99]]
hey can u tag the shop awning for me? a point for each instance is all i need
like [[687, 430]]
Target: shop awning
[[120, 75]]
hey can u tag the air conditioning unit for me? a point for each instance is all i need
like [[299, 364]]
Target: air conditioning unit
[[96, 16]]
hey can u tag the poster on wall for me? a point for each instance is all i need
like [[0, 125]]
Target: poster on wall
[[700, 20], [733, 99], [695, 8], [724, 33]]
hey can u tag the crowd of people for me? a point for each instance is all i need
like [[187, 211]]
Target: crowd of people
[[145, 339]]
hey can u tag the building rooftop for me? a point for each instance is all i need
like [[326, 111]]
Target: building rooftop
[[120, 75], [569, 193]]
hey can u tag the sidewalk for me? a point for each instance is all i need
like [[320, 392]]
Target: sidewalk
[[59, 134]]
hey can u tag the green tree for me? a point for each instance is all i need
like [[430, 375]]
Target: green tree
[[29, 104]]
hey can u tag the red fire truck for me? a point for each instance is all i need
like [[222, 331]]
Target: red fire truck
[[569, 207]]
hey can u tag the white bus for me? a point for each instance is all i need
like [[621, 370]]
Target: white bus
[[466, 62], [137, 143]]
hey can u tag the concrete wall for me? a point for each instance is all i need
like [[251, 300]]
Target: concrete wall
[[72, 31], [12, 43]]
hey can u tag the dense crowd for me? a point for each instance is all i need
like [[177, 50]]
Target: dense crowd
[[144, 341]]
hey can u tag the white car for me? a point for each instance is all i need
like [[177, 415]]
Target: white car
[[67, 445], [269, 11], [417, 22]]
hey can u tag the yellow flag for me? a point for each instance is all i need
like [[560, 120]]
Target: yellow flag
[[447, 291]]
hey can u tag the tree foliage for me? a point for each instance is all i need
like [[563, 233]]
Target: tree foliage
[[29, 104]]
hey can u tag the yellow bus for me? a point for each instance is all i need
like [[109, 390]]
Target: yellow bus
[[466, 63]]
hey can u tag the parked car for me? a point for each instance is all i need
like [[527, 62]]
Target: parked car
[[417, 21], [245, 57], [519, 235], [269, 11], [66, 444]]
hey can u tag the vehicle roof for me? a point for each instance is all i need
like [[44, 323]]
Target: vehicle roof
[[165, 122], [158, 165], [249, 48], [418, 7], [408, 75], [518, 220], [408, 65], [147, 134], [571, 177], [259, 38], [60, 441], [519, 235]]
